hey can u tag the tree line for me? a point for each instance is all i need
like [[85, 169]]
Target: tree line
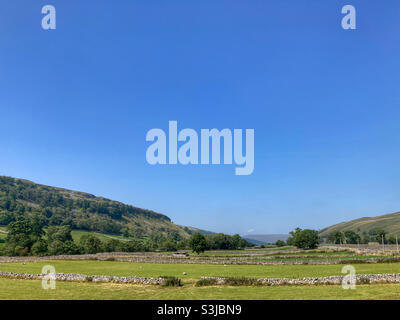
[[27, 237], [55, 207], [351, 237]]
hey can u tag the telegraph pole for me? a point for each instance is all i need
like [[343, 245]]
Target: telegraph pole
[[397, 245]]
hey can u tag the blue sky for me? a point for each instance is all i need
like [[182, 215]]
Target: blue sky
[[76, 104]]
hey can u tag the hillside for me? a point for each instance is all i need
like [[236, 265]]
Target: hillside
[[82, 211], [265, 238], [367, 225]]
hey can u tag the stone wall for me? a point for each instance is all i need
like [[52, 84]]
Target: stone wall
[[83, 278], [331, 280]]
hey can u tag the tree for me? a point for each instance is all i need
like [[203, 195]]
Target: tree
[[336, 237], [62, 233], [113, 245], [280, 243], [21, 236], [305, 239], [39, 248], [168, 245], [221, 241], [60, 241], [365, 239], [197, 243], [90, 244], [238, 242], [352, 237], [380, 234], [392, 240], [134, 246]]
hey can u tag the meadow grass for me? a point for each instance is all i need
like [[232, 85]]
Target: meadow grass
[[193, 271], [32, 289], [77, 235]]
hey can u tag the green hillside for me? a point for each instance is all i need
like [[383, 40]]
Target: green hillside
[[82, 211], [367, 225]]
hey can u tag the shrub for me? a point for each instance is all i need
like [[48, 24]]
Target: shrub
[[206, 282], [280, 243], [363, 281], [241, 282], [39, 248], [171, 281]]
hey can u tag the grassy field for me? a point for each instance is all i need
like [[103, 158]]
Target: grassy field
[[77, 234], [194, 271], [190, 273], [31, 289]]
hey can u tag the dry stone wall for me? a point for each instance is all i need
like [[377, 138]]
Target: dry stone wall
[[83, 278], [331, 280]]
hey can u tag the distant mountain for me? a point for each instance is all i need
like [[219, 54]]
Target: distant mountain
[[363, 226], [265, 238], [256, 242], [82, 211]]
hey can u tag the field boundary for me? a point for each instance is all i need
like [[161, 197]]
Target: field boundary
[[83, 278], [170, 259], [330, 280]]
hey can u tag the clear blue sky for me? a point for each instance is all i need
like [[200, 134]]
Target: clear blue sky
[[76, 103]]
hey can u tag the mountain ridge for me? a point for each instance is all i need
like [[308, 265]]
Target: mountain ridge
[[389, 222], [81, 210]]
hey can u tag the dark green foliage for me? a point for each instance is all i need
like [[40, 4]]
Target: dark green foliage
[[90, 244], [392, 240], [197, 243], [363, 281], [352, 237], [336, 237], [280, 243], [39, 248], [222, 241], [206, 282], [380, 236], [171, 281], [60, 241], [169, 245], [113, 245], [21, 237], [365, 239], [20, 199], [304, 239]]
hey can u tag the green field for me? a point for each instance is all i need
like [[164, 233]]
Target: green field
[[194, 271], [31, 289], [77, 234], [190, 273]]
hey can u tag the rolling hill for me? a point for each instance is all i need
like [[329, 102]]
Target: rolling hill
[[82, 211], [363, 226], [265, 238]]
